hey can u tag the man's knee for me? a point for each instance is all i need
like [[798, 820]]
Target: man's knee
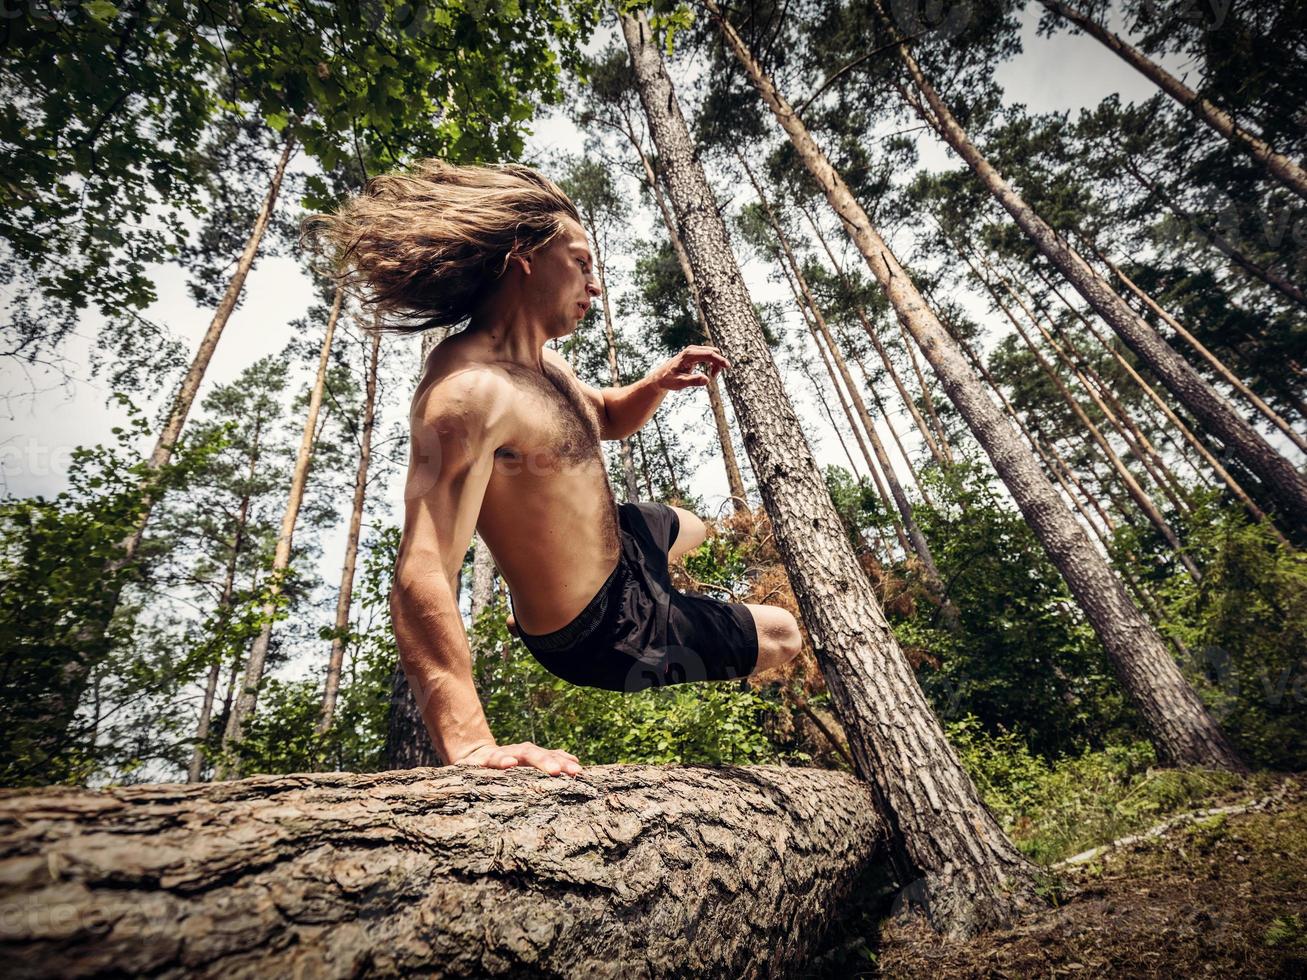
[[779, 638]]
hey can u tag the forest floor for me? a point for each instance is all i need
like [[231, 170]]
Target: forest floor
[[1224, 895]]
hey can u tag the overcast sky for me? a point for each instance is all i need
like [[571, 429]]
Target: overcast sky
[[38, 431]]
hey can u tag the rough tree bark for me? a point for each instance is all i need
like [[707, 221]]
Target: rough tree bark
[[1277, 165], [243, 707], [460, 872], [344, 597], [1189, 387], [1177, 721], [945, 847]]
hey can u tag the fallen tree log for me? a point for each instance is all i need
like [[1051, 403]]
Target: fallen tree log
[[623, 871]]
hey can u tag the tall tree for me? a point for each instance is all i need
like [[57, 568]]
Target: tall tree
[[1181, 728], [1277, 165], [822, 336], [1192, 390], [344, 595], [248, 695], [941, 834]]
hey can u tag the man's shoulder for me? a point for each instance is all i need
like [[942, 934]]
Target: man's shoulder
[[456, 383]]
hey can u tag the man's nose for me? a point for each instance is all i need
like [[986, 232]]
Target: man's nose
[[592, 287]]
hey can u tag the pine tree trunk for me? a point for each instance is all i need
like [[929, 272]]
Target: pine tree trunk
[[830, 418], [667, 459], [190, 386], [1137, 493], [624, 445], [1180, 726], [483, 578], [1048, 455], [734, 480], [1288, 485], [1210, 236], [1105, 389], [944, 845], [196, 766], [882, 492], [345, 596], [941, 436], [1101, 395], [1212, 360], [1186, 433], [247, 697], [625, 871], [909, 402], [889, 424], [886, 500], [1279, 166], [644, 465]]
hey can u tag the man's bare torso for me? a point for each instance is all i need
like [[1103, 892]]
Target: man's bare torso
[[548, 515]]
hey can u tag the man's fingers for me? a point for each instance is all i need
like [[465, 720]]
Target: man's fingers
[[698, 353], [551, 761]]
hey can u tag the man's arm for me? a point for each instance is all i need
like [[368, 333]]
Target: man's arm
[[623, 411], [455, 428]]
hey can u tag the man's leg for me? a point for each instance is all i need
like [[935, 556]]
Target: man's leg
[[693, 532], [779, 639]]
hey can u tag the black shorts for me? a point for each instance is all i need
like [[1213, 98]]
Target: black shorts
[[638, 631]]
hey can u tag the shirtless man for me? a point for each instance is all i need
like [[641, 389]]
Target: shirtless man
[[506, 441]]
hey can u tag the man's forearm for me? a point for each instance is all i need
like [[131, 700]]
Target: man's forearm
[[631, 406], [437, 661]]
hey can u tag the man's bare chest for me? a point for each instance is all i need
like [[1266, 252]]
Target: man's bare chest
[[555, 425]]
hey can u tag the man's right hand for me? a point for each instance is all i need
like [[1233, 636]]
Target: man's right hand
[[553, 761]]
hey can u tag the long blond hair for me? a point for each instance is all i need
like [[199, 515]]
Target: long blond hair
[[423, 247]]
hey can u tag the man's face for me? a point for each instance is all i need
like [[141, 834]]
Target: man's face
[[563, 278]]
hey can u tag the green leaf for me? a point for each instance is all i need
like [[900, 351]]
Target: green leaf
[[100, 10]]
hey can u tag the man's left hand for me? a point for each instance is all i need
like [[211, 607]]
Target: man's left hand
[[680, 372]]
